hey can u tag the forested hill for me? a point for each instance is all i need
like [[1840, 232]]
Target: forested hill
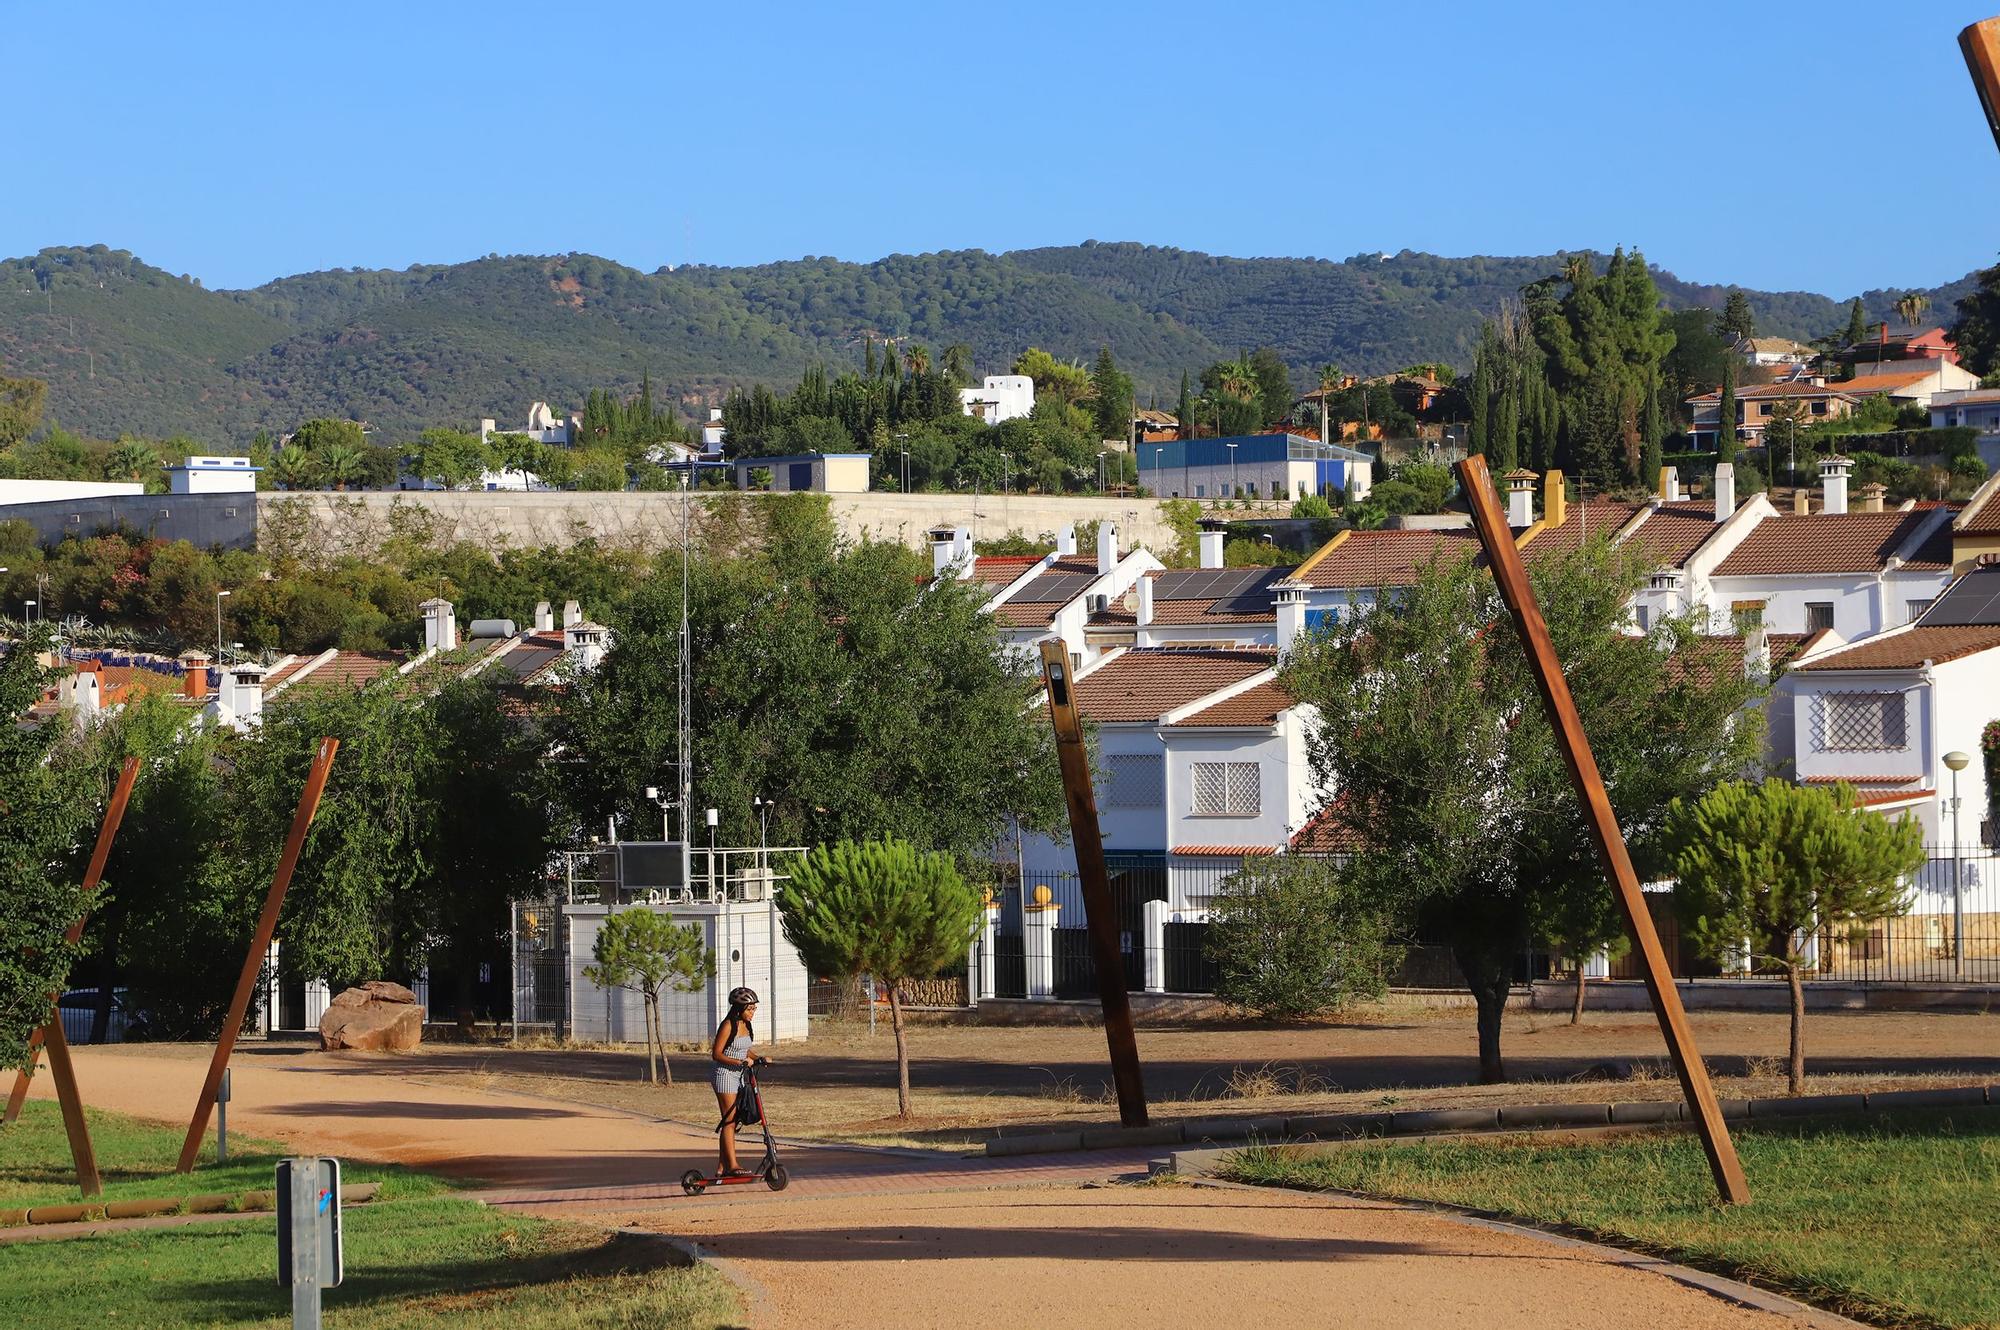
[[126, 347]]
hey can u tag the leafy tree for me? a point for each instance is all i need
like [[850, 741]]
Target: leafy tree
[[1763, 868], [454, 458], [1053, 377], [1311, 506], [1736, 322], [881, 908], [21, 403], [317, 435], [45, 808], [1431, 730], [1694, 365], [1274, 384], [644, 951], [1295, 937]]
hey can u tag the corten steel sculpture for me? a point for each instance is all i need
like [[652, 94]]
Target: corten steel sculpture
[[51, 1033], [1980, 43], [1497, 539], [1098, 912], [260, 943]]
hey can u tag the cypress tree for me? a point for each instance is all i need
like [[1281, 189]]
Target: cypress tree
[[1725, 423], [868, 360], [1650, 432], [1857, 323], [1503, 446], [1184, 409], [1482, 392]]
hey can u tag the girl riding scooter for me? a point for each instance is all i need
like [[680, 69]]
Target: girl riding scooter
[[732, 1053]]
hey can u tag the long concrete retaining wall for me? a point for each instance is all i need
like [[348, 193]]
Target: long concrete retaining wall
[[653, 520]]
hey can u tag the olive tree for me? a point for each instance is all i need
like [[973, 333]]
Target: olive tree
[[1294, 936], [648, 953], [1764, 868], [883, 908]]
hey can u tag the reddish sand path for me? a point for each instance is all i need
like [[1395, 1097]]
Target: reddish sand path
[[840, 1247]]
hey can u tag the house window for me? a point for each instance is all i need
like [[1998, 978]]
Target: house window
[[1227, 789], [1644, 614], [1917, 608], [1819, 616], [1746, 617], [1819, 408], [1763, 408], [1136, 780], [1861, 723], [1201, 491]]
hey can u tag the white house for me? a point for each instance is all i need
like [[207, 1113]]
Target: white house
[[1773, 351], [543, 427], [712, 432], [1000, 397]]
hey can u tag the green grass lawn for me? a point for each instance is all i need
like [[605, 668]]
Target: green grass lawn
[[1893, 1219], [137, 1158], [417, 1256]]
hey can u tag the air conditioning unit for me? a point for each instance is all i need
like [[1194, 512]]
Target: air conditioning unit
[[755, 884]]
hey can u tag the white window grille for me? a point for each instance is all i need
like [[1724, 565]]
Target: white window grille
[[1228, 789], [1136, 780], [1861, 723], [1819, 615]]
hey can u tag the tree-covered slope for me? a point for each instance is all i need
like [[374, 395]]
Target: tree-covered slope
[[127, 347]]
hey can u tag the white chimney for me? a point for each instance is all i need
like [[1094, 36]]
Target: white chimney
[[1066, 541], [951, 547], [1290, 603], [1211, 549], [545, 618], [1520, 498], [440, 625], [1107, 547], [586, 643], [245, 696], [1725, 490], [715, 415], [1833, 472], [572, 614], [1145, 615], [82, 693]]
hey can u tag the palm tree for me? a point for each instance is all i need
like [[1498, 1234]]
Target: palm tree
[[917, 361], [292, 467], [1911, 307], [132, 459], [342, 464], [958, 364]]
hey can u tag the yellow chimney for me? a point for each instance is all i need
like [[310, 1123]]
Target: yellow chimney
[[1801, 501], [1555, 505]]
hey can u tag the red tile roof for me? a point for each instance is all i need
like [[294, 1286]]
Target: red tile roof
[[1222, 851], [1582, 521], [1873, 798], [1385, 558], [1257, 706], [1324, 833], [1002, 569], [1869, 385], [1821, 543], [1674, 531], [1027, 613], [1908, 649], [1145, 684]]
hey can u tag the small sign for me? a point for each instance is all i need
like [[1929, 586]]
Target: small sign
[[313, 1227]]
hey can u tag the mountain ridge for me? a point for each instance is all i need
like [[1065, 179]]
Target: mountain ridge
[[129, 348]]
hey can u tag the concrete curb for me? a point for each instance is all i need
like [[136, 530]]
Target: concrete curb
[[1720, 1286], [1512, 1117]]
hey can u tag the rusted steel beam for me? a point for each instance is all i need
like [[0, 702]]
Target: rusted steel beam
[[71, 1099], [260, 943], [1098, 911], [93, 873], [1498, 541], [1980, 43]]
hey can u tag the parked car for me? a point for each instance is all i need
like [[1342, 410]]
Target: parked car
[[79, 1016]]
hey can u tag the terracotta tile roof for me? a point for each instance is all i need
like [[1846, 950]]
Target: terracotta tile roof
[[1788, 647], [1145, 684], [1861, 780], [1908, 649], [1002, 569], [352, 668], [1877, 797], [1385, 558], [1790, 388], [1821, 543], [1222, 851], [1325, 834], [1674, 531], [1257, 706], [287, 669], [1027, 613], [1934, 555], [1870, 385], [1983, 520], [1582, 521]]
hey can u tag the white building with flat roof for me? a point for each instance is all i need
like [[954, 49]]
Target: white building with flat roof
[[212, 475], [1000, 397]]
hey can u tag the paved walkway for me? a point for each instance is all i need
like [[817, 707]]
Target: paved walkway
[[1018, 1241]]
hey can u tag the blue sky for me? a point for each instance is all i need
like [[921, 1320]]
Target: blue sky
[[1828, 149]]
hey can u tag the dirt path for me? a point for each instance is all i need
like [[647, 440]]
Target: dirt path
[[1173, 1256]]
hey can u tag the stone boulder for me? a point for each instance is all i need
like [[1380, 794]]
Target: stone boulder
[[376, 1015]]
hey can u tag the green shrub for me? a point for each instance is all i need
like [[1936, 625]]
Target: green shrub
[[1292, 937]]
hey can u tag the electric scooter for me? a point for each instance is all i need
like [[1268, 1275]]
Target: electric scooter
[[768, 1170]]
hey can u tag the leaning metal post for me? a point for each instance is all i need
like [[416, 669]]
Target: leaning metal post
[[93, 873], [260, 943], [1498, 541], [1097, 907]]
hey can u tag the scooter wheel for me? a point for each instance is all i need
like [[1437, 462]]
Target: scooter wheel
[[692, 1182], [777, 1179]]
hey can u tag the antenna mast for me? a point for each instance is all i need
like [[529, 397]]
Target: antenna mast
[[685, 737]]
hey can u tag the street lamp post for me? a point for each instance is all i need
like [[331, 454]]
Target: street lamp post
[[1100, 479], [906, 470], [1006, 473], [1233, 486], [1957, 762], [1159, 469], [218, 627]]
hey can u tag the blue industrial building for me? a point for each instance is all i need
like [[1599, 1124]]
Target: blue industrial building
[[1257, 466]]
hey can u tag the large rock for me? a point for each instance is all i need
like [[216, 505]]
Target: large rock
[[376, 1015]]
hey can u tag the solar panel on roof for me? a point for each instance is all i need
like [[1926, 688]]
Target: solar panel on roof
[[1972, 601], [1055, 587]]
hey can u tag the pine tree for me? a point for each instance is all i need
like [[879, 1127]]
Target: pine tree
[[1736, 321]]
